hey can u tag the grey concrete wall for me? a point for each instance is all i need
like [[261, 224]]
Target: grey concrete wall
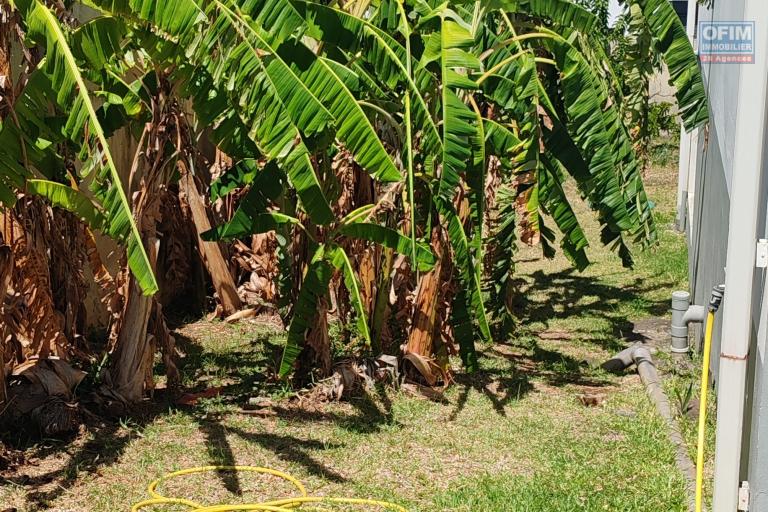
[[708, 242], [722, 81], [660, 90]]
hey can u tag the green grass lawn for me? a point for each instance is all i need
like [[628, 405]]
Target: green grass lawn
[[516, 436]]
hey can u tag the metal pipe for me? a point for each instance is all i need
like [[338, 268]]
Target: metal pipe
[[684, 314], [746, 172]]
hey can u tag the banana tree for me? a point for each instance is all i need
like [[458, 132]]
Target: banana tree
[[517, 84], [254, 216], [457, 114], [522, 83], [56, 146], [62, 81]]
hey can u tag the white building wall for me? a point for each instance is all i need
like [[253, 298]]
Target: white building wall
[[707, 218]]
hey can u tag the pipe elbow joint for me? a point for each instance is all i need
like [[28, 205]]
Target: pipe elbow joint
[[694, 314]]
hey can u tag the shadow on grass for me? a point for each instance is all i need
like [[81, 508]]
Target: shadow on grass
[[294, 450], [508, 369], [372, 413], [286, 448], [108, 443], [242, 371], [105, 447], [568, 295], [238, 371], [505, 376], [500, 390]]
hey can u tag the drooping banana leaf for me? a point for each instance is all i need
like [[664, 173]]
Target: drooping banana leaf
[[252, 215], [564, 13], [314, 286], [243, 225], [461, 144], [241, 174], [466, 265], [268, 100], [475, 179], [597, 129], [179, 19], [425, 259], [352, 126], [685, 74], [555, 202], [463, 330], [302, 105], [280, 17], [96, 41], [382, 52], [459, 121], [68, 198], [213, 109], [301, 70], [502, 247], [240, 63], [30, 139], [515, 84], [83, 128], [501, 142]]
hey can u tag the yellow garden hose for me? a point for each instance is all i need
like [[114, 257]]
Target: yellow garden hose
[[282, 505], [714, 304], [703, 410]]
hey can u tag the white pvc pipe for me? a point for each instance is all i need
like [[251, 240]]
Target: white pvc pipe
[[682, 177], [688, 147], [740, 272]]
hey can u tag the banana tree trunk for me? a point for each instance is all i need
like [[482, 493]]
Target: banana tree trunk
[[211, 251], [318, 353], [140, 327], [131, 369], [129, 376], [420, 349], [6, 253], [6, 269], [380, 308], [130, 373]]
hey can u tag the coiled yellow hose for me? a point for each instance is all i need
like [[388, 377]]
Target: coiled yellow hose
[[283, 505], [703, 411]]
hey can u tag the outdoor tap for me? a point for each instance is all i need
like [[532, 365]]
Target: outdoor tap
[[718, 292]]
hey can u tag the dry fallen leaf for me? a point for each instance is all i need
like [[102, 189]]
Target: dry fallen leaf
[[591, 400]]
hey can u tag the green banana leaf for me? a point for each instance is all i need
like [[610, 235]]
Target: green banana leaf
[[83, 127]]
